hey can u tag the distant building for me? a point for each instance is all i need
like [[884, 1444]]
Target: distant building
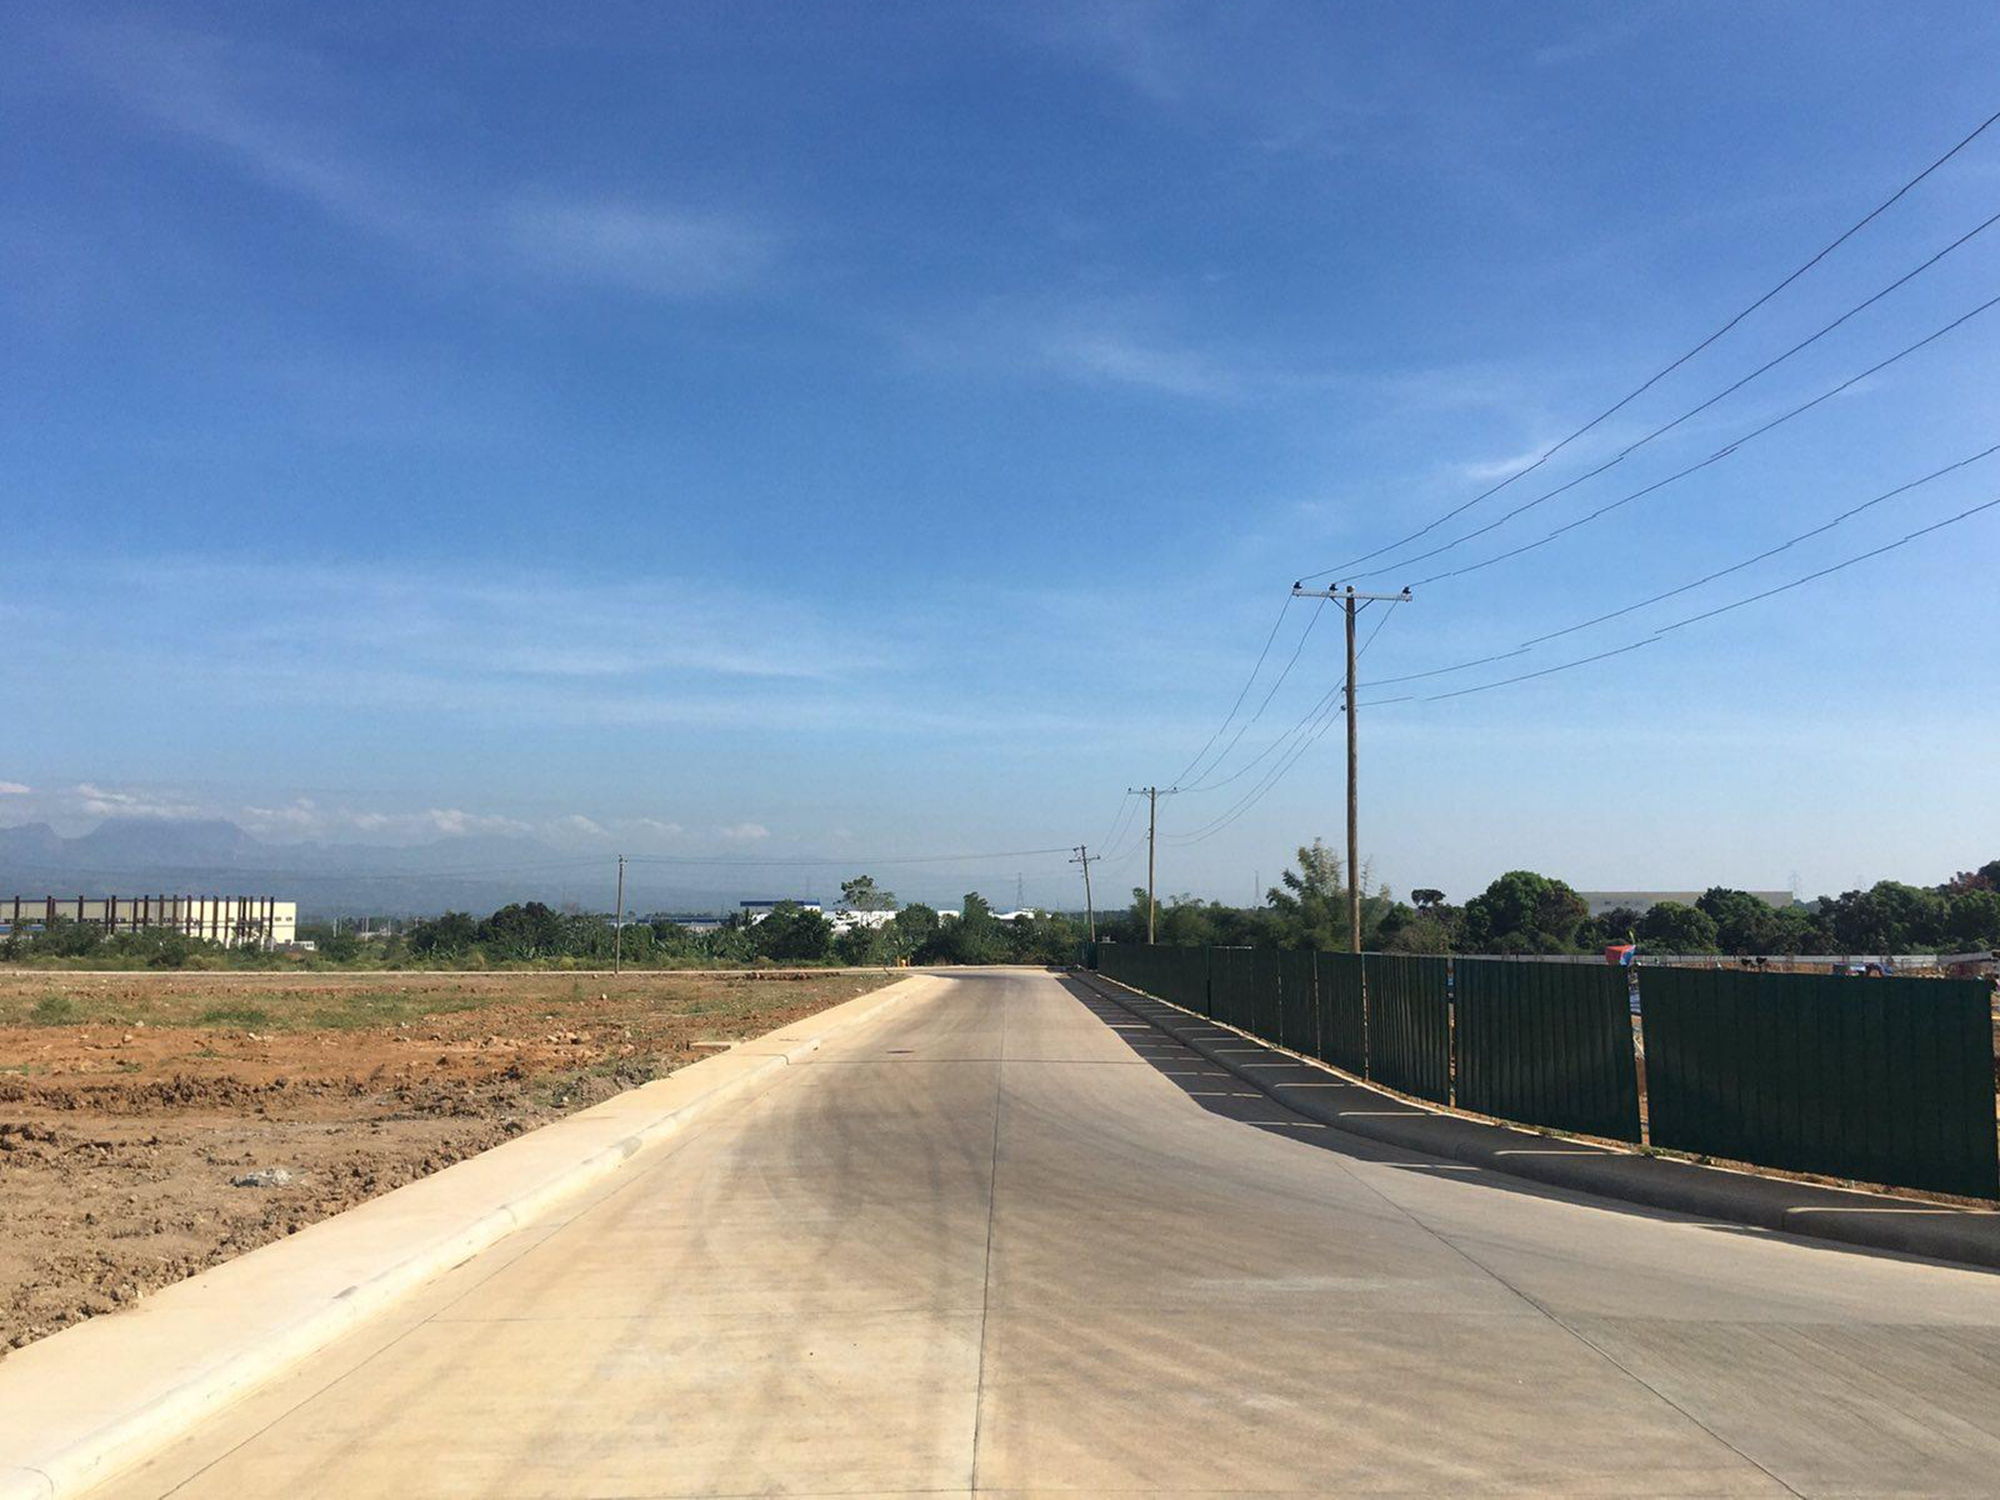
[[846, 919], [240, 921], [755, 911], [1601, 902]]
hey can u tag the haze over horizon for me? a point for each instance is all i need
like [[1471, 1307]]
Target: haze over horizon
[[755, 433]]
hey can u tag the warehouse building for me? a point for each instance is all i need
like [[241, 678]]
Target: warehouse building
[[238, 921]]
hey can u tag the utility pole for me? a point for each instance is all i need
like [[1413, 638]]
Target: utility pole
[[1152, 795], [618, 923], [1089, 906], [1352, 604]]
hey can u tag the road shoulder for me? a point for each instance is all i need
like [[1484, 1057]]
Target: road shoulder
[[85, 1402], [1873, 1221]]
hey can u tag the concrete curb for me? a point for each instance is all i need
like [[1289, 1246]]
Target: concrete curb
[[97, 1397], [1874, 1221]]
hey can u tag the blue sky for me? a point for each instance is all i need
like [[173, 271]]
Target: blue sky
[[887, 430]]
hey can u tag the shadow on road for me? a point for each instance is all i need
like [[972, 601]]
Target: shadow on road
[[1223, 1093]]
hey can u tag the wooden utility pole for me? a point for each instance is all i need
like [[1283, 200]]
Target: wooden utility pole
[[1352, 604], [618, 924], [1089, 906], [1152, 795]]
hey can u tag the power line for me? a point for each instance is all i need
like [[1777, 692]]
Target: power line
[[1257, 667], [1710, 614], [1721, 453], [1723, 609], [1544, 672], [1784, 546], [1525, 646], [1654, 380], [1125, 807], [1216, 765], [1693, 411], [1325, 719], [1378, 629], [1310, 730]]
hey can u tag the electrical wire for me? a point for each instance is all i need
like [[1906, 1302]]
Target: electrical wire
[[1325, 720], [1784, 546], [1611, 463], [1216, 765], [1721, 453], [1723, 609], [1228, 718], [1655, 379]]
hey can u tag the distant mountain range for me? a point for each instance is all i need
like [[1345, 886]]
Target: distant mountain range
[[473, 872]]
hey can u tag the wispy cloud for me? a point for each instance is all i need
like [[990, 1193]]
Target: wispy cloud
[[1595, 39], [276, 117], [480, 625], [107, 802], [1130, 344], [1109, 357], [745, 832], [649, 248], [14, 789]]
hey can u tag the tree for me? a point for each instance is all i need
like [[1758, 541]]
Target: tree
[[975, 938], [1426, 897], [1523, 912], [1672, 927], [792, 934], [1431, 928], [1310, 906], [1743, 923], [448, 936], [860, 894], [1972, 918], [909, 933], [523, 931], [1888, 917], [1618, 925]]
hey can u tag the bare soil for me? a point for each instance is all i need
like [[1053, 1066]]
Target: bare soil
[[129, 1103]]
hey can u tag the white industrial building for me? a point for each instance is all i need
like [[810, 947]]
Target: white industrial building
[[238, 921]]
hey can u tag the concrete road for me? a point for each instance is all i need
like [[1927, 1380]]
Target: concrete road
[[1009, 1239]]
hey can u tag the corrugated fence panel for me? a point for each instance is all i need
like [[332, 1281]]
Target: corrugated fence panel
[[1547, 1044], [1190, 982], [1343, 1035], [1298, 1020], [1886, 1080], [1265, 1021], [1230, 985], [1409, 1024]]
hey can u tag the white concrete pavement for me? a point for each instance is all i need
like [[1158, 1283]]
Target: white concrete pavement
[[1008, 1238]]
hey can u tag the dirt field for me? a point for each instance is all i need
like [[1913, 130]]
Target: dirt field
[[131, 1103]]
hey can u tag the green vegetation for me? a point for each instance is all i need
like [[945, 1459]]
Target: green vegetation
[[1521, 912]]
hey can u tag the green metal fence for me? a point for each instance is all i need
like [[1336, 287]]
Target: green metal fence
[[1409, 1023], [1266, 1019], [1231, 985], [1886, 1080], [1546, 1044], [1343, 1023], [1298, 1015]]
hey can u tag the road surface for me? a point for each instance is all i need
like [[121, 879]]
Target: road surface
[[1010, 1239]]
